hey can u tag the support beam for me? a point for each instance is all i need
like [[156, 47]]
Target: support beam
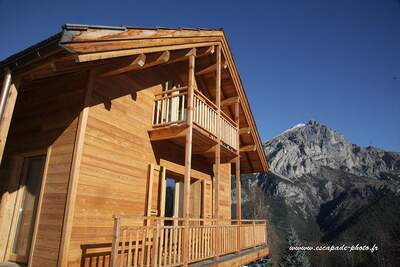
[[182, 54], [137, 62], [218, 148], [249, 148], [211, 68], [8, 98], [142, 61], [246, 130], [208, 69], [230, 101], [188, 160], [203, 51]]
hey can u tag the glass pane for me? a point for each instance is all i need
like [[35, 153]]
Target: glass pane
[[26, 220], [169, 198]]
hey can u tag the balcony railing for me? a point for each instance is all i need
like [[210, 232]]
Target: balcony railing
[[170, 108], [159, 241]]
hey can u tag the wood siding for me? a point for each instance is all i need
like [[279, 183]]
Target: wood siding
[[45, 115], [115, 163]]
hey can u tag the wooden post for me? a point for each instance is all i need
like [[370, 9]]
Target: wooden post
[[115, 242], [5, 122], [238, 184], [218, 147], [188, 160]]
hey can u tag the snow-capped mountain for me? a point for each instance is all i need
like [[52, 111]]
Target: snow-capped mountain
[[328, 189]]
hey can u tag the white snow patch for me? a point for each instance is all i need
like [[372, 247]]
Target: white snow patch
[[294, 127]]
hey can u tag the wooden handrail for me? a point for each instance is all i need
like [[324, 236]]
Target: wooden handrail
[[183, 88]]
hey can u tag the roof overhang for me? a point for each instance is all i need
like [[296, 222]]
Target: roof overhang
[[90, 45]]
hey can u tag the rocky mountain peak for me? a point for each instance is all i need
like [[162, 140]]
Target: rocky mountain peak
[[305, 148]]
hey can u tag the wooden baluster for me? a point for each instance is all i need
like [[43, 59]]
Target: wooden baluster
[[166, 246], [130, 249], [143, 246], [122, 259], [135, 259], [179, 244], [161, 246], [148, 243], [156, 236], [170, 246], [196, 251]]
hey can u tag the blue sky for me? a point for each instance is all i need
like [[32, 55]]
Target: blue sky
[[332, 61]]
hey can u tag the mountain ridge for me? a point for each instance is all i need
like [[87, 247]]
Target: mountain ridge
[[326, 188]]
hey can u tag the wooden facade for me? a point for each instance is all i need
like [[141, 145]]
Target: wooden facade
[[118, 146]]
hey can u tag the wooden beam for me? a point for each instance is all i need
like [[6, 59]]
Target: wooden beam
[[249, 148], [225, 64], [169, 132], [188, 160], [230, 101], [141, 62], [181, 54], [74, 173], [137, 62], [203, 51], [246, 130], [7, 116], [211, 68], [208, 69]]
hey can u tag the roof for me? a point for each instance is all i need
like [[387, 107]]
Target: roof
[[90, 43]]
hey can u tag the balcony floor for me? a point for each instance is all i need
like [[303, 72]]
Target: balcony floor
[[244, 257], [203, 143]]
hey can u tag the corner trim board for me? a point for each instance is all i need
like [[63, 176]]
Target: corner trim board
[[74, 174]]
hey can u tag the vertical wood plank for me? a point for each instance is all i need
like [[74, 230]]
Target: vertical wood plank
[[135, 256]]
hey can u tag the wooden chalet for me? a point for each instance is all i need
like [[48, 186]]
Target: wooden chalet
[[117, 147]]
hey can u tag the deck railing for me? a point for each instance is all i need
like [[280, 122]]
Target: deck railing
[[170, 108], [205, 114], [159, 241], [228, 132]]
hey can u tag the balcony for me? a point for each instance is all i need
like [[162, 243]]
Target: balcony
[[155, 241], [170, 116]]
